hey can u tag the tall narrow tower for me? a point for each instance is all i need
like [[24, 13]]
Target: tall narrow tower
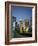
[[26, 24], [21, 23]]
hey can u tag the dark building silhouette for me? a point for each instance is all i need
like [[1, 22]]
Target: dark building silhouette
[[13, 21]]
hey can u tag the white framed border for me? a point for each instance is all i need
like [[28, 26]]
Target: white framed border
[[33, 25]]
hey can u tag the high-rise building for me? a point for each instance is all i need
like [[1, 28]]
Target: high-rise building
[[23, 26], [26, 25], [21, 23], [13, 21]]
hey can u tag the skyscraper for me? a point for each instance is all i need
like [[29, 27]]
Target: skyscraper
[[26, 25], [21, 23], [13, 20]]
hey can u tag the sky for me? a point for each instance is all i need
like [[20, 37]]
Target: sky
[[21, 12]]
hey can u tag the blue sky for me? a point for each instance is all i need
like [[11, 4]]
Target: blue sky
[[21, 12]]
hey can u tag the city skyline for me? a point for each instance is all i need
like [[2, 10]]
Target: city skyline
[[21, 17]]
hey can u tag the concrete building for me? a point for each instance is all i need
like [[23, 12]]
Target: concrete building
[[26, 25], [21, 23], [13, 21]]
